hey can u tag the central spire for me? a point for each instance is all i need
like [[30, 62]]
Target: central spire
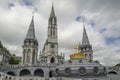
[[31, 31], [52, 18], [30, 47], [50, 49], [52, 11], [85, 40]]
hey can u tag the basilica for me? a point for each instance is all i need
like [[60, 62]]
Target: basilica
[[49, 53], [52, 65]]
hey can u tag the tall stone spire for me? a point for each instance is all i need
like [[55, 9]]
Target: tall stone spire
[[52, 12], [30, 47], [85, 40], [85, 47], [52, 38], [50, 49], [52, 18], [31, 31]]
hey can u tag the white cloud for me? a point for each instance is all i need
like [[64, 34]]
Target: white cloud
[[15, 20]]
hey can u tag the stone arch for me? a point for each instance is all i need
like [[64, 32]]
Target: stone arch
[[6, 77], [112, 72], [57, 71], [25, 72], [39, 72], [10, 78], [52, 60], [11, 73], [51, 74]]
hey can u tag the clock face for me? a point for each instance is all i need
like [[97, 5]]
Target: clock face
[[52, 46]]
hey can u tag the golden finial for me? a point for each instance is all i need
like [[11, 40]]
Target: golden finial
[[77, 55]]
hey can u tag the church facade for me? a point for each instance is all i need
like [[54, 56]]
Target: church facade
[[49, 52]]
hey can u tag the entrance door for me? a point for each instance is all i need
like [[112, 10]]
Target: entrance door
[[52, 60], [50, 74]]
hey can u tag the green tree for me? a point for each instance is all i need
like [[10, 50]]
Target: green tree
[[13, 60], [4, 48], [1, 46], [117, 65]]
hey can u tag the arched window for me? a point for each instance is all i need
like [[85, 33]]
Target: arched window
[[11, 73], [50, 74], [28, 55], [25, 72], [52, 60], [57, 71], [112, 72], [39, 72]]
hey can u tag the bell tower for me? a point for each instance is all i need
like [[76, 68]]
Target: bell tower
[[85, 47], [30, 47], [50, 50], [52, 39]]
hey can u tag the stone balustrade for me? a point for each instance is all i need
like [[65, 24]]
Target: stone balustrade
[[25, 65], [4, 76], [8, 77]]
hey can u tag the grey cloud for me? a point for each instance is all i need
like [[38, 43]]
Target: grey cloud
[[14, 23]]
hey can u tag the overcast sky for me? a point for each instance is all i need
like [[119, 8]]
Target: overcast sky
[[101, 17]]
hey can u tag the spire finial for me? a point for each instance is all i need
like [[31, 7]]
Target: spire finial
[[33, 14], [52, 3], [52, 10], [85, 40], [31, 31], [83, 22]]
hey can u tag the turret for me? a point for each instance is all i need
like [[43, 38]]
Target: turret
[[30, 47], [85, 47]]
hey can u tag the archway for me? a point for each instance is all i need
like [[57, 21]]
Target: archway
[[112, 72], [11, 73], [52, 60], [24, 72], [50, 74], [10, 78], [39, 72]]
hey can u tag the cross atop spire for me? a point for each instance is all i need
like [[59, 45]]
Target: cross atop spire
[[85, 40], [31, 31]]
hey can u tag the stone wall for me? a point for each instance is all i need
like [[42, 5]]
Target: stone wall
[[8, 77]]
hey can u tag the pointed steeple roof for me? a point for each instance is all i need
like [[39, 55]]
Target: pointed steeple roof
[[85, 40], [31, 30], [52, 19], [52, 11]]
